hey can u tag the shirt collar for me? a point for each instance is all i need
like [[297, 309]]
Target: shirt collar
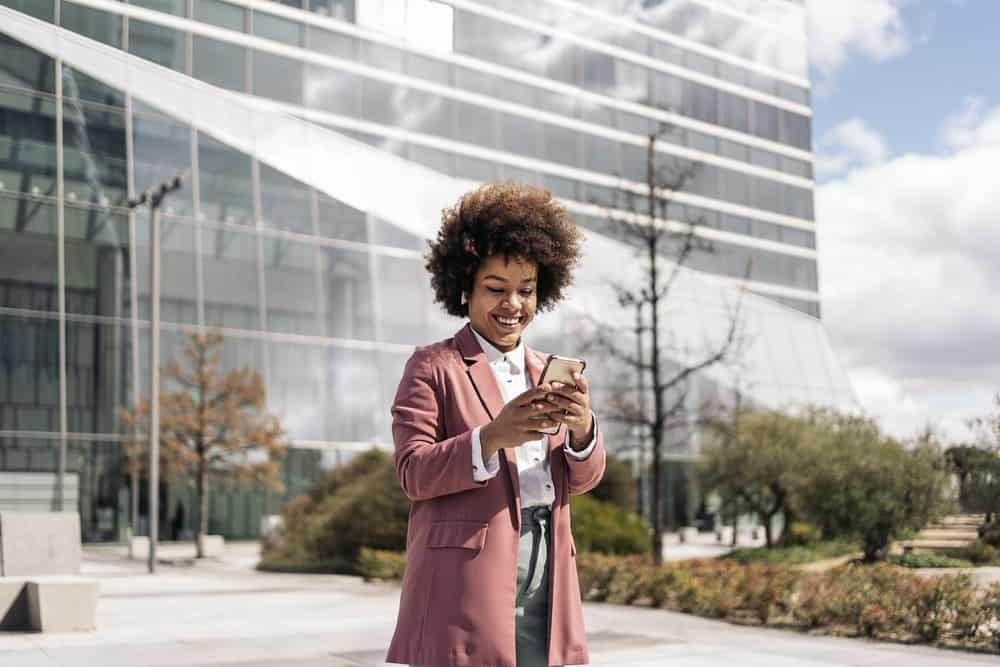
[[515, 356]]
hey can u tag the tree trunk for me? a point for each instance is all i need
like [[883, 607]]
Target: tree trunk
[[135, 499], [202, 525], [768, 538], [657, 502]]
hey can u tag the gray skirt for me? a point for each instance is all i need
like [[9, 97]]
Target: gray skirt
[[531, 607]]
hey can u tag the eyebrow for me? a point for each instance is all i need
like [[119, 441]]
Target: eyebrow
[[501, 278]]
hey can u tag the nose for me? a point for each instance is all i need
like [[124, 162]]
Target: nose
[[514, 300]]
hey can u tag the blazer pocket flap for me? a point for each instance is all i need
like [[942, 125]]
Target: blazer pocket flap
[[457, 534]]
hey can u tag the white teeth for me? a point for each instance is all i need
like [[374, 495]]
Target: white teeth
[[508, 321]]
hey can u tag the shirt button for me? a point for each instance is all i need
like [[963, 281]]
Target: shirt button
[[548, 486]]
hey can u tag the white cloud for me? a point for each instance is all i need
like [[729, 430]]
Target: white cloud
[[972, 126], [909, 252], [850, 144], [837, 28]]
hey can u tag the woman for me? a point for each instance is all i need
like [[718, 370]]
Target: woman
[[491, 571]]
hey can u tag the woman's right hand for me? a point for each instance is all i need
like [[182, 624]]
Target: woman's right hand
[[519, 422]]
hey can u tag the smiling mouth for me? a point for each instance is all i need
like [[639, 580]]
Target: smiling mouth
[[507, 322]]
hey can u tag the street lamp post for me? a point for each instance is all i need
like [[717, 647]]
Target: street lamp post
[[154, 197]]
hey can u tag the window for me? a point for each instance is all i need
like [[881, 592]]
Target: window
[[425, 23]]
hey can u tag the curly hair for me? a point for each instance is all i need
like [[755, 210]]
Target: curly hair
[[506, 218]]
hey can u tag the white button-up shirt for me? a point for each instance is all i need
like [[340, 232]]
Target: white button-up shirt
[[533, 469]]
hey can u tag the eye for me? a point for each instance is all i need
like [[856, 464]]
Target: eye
[[526, 292], [494, 290]]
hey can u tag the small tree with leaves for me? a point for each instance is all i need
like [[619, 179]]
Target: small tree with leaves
[[214, 425], [670, 364], [756, 462]]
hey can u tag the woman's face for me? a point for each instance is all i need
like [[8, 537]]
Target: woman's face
[[503, 300]]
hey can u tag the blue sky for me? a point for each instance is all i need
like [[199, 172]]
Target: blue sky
[[907, 140], [954, 53]]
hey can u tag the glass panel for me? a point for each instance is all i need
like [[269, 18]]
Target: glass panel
[[284, 201], [157, 43], [337, 220], [97, 375], [290, 280], [220, 13], [219, 63], [404, 300], [23, 67], [355, 402], [560, 145], [276, 28], [475, 125], [101, 26], [77, 86], [42, 9], [162, 150], [28, 250], [175, 7], [178, 271], [97, 266], [295, 389], [346, 294], [521, 136], [332, 90], [224, 182], [277, 77], [29, 374], [765, 121], [230, 268]]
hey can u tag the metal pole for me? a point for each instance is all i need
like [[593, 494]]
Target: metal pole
[[154, 390]]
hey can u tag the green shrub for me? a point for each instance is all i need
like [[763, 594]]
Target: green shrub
[[357, 505], [605, 528], [912, 560], [979, 552], [794, 555], [801, 534], [991, 534], [617, 485], [381, 564]]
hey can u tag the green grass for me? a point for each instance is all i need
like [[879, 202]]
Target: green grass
[[794, 555], [927, 560]]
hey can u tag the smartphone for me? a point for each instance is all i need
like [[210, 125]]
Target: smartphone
[[560, 369]]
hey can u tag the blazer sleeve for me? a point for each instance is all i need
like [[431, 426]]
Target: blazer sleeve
[[427, 465], [585, 474]]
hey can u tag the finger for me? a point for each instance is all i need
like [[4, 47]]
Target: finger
[[533, 394], [581, 382], [566, 396]]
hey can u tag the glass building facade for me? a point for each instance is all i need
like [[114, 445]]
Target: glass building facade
[[320, 140]]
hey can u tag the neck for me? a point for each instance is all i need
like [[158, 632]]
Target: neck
[[502, 348]]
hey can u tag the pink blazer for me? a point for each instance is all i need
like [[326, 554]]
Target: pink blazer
[[456, 607]]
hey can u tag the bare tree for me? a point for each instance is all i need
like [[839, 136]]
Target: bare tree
[[213, 425], [671, 364]]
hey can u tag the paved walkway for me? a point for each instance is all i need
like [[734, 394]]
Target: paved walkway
[[224, 614]]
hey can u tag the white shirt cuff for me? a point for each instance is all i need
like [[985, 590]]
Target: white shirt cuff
[[582, 453], [482, 472]]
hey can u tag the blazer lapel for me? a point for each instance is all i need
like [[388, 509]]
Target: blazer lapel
[[485, 384]]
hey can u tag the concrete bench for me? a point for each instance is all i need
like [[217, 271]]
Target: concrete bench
[[48, 603]]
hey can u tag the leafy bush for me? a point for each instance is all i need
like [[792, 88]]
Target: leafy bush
[[381, 564], [357, 505], [912, 560], [796, 555], [991, 534], [603, 527], [801, 534], [979, 552], [617, 485]]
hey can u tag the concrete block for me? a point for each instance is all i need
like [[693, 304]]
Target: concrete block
[[688, 534], [62, 604], [14, 604], [138, 548], [212, 546], [37, 543]]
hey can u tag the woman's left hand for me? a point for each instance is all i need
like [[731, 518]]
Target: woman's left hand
[[573, 405]]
